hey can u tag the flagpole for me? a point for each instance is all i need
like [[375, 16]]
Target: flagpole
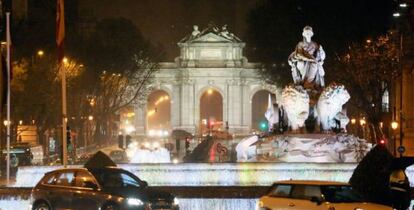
[[64, 126], [8, 39], [60, 34]]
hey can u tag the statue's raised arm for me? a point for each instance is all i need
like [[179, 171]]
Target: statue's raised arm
[[307, 61]]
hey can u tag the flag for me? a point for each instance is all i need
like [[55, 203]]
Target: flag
[[60, 28], [270, 112]]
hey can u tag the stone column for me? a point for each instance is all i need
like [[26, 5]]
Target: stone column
[[187, 106], [140, 119]]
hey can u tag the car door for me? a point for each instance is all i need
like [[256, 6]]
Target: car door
[[301, 198], [86, 195], [60, 194]]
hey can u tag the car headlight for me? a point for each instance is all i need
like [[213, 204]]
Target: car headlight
[[176, 202], [134, 202]]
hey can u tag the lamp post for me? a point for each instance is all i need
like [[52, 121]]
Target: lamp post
[[402, 6], [353, 130], [394, 126], [362, 122]]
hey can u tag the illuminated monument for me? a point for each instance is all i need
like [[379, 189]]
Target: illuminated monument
[[308, 103], [210, 59]]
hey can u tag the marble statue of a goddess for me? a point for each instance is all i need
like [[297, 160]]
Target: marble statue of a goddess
[[307, 61]]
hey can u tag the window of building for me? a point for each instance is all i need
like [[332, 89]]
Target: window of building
[[386, 101]]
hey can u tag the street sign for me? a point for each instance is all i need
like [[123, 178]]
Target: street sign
[[401, 149]]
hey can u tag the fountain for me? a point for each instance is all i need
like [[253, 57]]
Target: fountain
[[262, 161], [305, 104]]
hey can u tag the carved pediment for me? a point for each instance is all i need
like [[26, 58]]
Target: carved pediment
[[211, 37]]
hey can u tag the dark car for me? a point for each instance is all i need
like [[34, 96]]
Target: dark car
[[118, 156], [21, 152], [98, 188]]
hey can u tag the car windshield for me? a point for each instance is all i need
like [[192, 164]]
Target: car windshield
[[116, 179], [340, 194]]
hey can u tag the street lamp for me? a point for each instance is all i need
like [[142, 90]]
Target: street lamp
[[40, 53], [394, 126]]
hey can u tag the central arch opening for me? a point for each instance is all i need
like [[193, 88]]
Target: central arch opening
[[158, 112], [211, 111]]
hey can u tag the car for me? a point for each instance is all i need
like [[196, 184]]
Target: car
[[314, 195], [21, 152], [118, 156], [106, 188]]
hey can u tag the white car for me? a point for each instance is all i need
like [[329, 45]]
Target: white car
[[314, 195]]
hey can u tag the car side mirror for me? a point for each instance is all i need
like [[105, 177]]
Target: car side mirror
[[144, 184], [316, 200], [89, 184]]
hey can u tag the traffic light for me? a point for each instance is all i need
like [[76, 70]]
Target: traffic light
[[263, 126], [121, 141], [68, 138], [187, 143], [128, 140]]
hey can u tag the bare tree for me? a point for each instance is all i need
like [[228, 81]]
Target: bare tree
[[368, 70]]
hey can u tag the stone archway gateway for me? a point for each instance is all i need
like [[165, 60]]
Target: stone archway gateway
[[209, 59]]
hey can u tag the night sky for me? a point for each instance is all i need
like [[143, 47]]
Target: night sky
[[167, 22]]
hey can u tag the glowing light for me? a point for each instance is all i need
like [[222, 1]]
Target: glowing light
[[130, 114], [396, 14], [353, 121], [394, 125], [151, 113], [403, 5], [151, 133], [156, 145], [175, 161], [40, 53], [129, 129], [161, 99], [6, 122], [65, 60], [362, 122], [147, 145], [210, 91], [90, 117], [21, 122], [382, 141]]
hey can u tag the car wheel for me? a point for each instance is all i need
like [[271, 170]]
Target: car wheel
[[41, 206], [110, 207]]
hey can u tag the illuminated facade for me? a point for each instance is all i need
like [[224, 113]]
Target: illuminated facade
[[210, 60]]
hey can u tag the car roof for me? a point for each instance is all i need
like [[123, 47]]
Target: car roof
[[310, 182], [86, 169]]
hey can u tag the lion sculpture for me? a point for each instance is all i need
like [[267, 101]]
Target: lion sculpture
[[329, 107], [295, 102]]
